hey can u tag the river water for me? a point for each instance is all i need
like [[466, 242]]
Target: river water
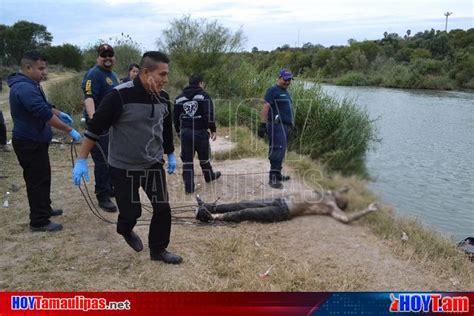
[[424, 165]]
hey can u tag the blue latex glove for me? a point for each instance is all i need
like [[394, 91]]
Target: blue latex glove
[[75, 135], [171, 163], [80, 170], [66, 118]]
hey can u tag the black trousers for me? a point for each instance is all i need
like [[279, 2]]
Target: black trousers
[[3, 130], [193, 141], [153, 181], [34, 159], [101, 169], [264, 211]]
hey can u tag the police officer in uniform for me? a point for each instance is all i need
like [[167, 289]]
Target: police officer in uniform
[[276, 119], [97, 82], [195, 124]]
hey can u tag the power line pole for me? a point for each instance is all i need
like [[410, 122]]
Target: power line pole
[[446, 15]]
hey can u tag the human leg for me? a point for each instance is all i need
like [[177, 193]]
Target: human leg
[[102, 174], [160, 226], [126, 184], [201, 138], [34, 159], [278, 141], [265, 214], [187, 156]]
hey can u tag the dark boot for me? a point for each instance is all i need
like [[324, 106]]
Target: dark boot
[[165, 256], [274, 182], [107, 205], [209, 175], [134, 241], [210, 207], [281, 177]]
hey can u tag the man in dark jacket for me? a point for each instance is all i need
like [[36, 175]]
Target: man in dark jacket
[[32, 118], [193, 117], [138, 114]]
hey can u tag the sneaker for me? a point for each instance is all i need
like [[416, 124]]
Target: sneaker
[[134, 241], [216, 175], [275, 183], [6, 148], [203, 215], [51, 227], [166, 257], [56, 212], [108, 206]]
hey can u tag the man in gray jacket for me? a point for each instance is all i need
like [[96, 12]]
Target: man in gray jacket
[[138, 114]]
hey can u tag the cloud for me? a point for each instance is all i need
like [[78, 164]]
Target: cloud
[[266, 23]]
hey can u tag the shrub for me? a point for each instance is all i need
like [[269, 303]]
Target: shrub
[[67, 95], [333, 131], [352, 79]]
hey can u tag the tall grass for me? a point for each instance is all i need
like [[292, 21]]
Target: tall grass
[[336, 132], [67, 95]]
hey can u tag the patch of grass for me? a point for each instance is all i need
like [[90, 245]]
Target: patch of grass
[[425, 247], [67, 95]]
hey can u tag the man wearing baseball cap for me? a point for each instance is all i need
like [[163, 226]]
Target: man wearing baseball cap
[[97, 82], [276, 118]]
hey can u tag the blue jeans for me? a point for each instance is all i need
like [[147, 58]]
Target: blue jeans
[[278, 139]]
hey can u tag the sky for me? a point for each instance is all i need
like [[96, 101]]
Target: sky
[[266, 24]]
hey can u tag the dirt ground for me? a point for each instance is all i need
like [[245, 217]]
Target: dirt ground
[[310, 253]]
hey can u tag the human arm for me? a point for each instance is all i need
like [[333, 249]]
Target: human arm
[[168, 145], [35, 102], [90, 107], [212, 121], [80, 168], [64, 117], [262, 129], [91, 88], [177, 116]]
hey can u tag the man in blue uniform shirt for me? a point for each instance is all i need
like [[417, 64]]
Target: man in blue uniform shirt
[[97, 82], [276, 118]]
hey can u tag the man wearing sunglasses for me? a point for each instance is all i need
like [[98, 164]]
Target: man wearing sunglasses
[[97, 82], [276, 118]]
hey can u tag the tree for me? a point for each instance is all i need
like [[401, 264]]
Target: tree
[[68, 55], [21, 37], [199, 45]]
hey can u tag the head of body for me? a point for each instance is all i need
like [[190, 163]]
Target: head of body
[[284, 78], [106, 57], [33, 65], [196, 80], [154, 71], [133, 70]]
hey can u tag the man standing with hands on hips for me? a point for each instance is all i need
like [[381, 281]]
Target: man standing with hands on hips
[[32, 118], [276, 118], [97, 82], [138, 114]]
